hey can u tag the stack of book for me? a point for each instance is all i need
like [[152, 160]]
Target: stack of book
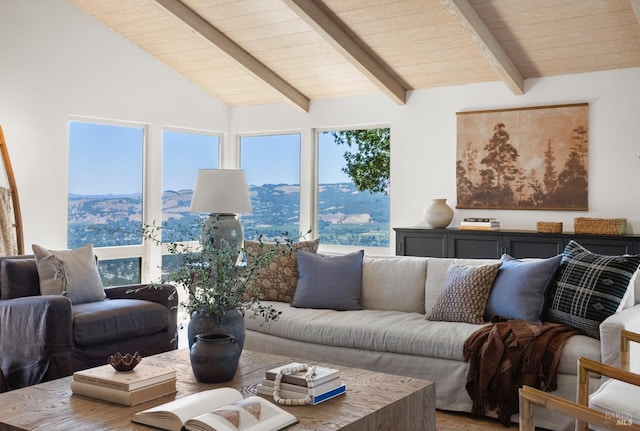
[[326, 384], [475, 223], [143, 383]]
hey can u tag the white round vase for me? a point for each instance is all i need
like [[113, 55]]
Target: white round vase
[[438, 214]]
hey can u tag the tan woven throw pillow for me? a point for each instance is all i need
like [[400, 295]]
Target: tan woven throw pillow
[[465, 293]]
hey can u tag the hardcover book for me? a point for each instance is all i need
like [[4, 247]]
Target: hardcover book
[[127, 398], [317, 389], [317, 398], [321, 375], [141, 376], [479, 223], [462, 227], [221, 409]]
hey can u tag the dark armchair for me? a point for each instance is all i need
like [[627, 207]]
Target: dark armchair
[[44, 337]]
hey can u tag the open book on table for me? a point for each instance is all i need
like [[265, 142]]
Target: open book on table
[[222, 409]]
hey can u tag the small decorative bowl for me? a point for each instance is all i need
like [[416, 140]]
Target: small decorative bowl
[[125, 363]]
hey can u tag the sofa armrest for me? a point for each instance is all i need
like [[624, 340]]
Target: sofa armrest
[[36, 339], [610, 328], [164, 294]]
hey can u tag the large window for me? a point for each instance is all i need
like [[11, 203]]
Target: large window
[[353, 199], [105, 190], [183, 154], [272, 164]]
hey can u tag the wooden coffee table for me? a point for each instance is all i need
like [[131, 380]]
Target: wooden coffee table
[[373, 400]]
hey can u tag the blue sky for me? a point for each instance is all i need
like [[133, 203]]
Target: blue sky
[[107, 159]]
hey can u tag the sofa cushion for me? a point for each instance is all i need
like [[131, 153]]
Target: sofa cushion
[[117, 319], [588, 288], [520, 287], [72, 273], [383, 278], [19, 278], [377, 330], [465, 293], [329, 281], [436, 272], [393, 331], [277, 281]]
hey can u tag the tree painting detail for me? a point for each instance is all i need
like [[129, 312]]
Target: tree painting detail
[[531, 158]]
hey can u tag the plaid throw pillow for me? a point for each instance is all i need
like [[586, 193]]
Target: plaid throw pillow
[[588, 288]]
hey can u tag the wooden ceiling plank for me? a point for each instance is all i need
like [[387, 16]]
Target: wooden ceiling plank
[[233, 50], [471, 23], [356, 55], [635, 4]]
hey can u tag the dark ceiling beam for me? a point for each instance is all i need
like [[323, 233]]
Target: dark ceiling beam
[[473, 25], [239, 55], [332, 33]]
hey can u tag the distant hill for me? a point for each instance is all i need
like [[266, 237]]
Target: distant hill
[[276, 208]]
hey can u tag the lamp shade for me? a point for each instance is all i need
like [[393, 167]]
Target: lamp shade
[[221, 191]]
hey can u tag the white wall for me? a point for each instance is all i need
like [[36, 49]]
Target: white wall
[[423, 141], [57, 61]]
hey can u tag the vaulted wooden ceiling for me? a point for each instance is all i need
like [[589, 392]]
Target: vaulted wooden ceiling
[[248, 52]]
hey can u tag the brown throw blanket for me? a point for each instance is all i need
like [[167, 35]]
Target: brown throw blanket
[[508, 354]]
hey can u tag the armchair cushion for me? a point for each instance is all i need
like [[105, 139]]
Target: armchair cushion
[[72, 273], [117, 319], [618, 399], [19, 277]]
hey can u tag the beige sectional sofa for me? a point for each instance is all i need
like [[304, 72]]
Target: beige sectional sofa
[[392, 335]]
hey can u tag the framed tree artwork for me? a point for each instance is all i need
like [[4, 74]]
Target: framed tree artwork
[[525, 158]]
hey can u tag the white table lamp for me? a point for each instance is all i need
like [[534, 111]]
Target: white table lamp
[[222, 193]]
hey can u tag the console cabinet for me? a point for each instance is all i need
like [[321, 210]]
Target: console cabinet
[[423, 241]]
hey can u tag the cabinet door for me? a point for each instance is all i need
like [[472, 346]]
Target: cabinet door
[[480, 245], [421, 243], [602, 245], [539, 245]]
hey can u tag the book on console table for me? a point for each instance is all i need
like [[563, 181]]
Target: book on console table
[[321, 375], [490, 224], [222, 409], [141, 376], [127, 398], [480, 219]]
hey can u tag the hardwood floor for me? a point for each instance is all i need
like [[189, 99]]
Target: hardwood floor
[[458, 421]]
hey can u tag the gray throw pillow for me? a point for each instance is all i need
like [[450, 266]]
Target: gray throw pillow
[[588, 288], [333, 282], [72, 273], [520, 288]]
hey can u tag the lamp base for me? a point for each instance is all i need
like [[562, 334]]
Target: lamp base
[[218, 227]]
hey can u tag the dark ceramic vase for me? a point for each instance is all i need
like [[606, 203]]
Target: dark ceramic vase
[[231, 324], [214, 358]]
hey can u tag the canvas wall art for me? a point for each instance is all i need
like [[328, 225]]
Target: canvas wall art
[[525, 158]]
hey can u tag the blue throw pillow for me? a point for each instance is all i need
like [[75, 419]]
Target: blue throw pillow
[[520, 288], [333, 282]]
